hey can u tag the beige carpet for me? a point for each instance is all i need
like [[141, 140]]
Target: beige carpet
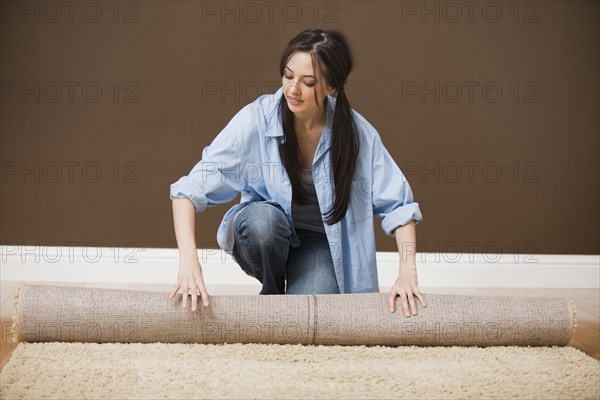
[[153, 371]]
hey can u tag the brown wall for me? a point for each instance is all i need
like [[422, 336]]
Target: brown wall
[[527, 160]]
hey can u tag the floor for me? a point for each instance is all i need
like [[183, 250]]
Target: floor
[[587, 301]]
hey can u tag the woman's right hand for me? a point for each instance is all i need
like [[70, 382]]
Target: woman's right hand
[[190, 278]]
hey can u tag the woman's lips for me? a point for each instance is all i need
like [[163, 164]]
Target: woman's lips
[[294, 102]]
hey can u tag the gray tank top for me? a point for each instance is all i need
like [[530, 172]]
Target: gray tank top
[[308, 216]]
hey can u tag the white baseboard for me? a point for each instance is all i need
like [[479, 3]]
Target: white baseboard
[[159, 266]]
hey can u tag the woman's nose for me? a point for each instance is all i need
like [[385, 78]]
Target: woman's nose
[[293, 89]]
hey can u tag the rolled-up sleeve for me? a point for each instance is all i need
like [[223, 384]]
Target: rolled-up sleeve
[[392, 196], [217, 178]]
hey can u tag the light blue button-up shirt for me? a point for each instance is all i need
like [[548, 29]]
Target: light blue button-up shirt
[[244, 158]]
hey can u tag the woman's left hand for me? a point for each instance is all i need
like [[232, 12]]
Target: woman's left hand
[[407, 287]]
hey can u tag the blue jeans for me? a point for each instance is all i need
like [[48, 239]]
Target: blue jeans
[[262, 249]]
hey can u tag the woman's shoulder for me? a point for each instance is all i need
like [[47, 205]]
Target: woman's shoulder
[[366, 131], [260, 115], [252, 120]]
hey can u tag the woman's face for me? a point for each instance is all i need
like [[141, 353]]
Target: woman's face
[[299, 84]]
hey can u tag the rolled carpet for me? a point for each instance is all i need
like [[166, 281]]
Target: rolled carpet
[[77, 314]]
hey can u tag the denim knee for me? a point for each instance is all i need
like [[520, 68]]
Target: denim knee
[[262, 241], [262, 222]]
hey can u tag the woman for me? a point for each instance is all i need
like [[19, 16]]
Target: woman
[[312, 173]]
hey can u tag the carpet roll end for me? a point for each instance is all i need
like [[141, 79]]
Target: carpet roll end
[[573, 321], [14, 330]]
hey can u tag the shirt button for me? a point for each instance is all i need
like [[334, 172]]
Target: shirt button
[[286, 183]]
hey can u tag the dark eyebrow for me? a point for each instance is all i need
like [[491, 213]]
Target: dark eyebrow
[[307, 76]]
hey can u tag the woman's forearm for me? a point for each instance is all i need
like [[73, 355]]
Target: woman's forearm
[[189, 279], [406, 241], [406, 285], [184, 220]]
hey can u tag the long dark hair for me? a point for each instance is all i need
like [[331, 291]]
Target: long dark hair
[[330, 50]]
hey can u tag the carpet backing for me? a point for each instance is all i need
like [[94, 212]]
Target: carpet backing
[[77, 314]]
